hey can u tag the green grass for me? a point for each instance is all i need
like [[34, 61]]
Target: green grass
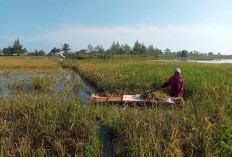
[[201, 128], [192, 131], [120, 77], [36, 123], [34, 126], [44, 117]]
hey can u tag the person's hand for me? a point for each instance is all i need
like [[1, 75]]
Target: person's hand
[[159, 88]]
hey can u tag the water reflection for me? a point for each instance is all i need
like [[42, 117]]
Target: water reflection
[[63, 81], [85, 90], [216, 61]]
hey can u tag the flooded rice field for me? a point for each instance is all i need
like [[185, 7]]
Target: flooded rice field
[[43, 81]]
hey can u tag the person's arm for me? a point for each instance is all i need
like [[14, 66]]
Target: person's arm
[[166, 84], [182, 85]]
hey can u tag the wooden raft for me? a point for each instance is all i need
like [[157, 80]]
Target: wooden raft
[[132, 99]]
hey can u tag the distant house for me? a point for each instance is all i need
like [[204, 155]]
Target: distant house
[[25, 54], [60, 55]]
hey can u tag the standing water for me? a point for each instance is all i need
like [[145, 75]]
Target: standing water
[[104, 133], [85, 90], [31, 81], [105, 138], [215, 61]]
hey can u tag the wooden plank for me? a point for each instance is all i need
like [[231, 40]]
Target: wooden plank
[[114, 99], [131, 98], [100, 99]]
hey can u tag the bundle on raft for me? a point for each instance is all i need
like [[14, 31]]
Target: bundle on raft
[[138, 99]]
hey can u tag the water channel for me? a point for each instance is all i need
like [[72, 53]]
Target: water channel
[[85, 90], [104, 133], [12, 80]]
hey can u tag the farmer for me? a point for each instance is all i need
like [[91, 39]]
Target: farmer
[[176, 82]]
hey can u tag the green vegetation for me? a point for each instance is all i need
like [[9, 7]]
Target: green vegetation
[[116, 50], [15, 49], [34, 126], [44, 117], [37, 53], [40, 114], [201, 128], [136, 76], [139, 50], [27, 62]]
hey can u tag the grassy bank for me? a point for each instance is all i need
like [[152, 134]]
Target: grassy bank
[[202, 128]]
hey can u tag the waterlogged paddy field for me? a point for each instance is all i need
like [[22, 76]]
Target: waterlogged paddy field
[[56, 81], [202, 128], [40, 112]]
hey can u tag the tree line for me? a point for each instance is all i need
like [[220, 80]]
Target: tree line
[[138, 49], [15, 49]]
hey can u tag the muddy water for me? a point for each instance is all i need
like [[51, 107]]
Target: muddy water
[[9, 79], [105, 138], [85, 90]]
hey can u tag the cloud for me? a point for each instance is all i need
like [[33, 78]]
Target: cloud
[[203, 38]]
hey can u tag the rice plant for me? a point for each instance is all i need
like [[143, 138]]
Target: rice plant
[[34, 126], [201, 128], [41, 115], [25, 62]]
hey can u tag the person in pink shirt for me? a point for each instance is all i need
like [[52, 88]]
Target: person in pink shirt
[[176, 82]]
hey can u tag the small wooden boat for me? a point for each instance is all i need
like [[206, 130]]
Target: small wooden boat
[[134, 100]]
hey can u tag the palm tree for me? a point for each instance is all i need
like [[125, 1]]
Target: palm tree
[[55, 51], [65, 48]]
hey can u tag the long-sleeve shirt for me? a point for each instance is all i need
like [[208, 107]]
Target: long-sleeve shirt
[[177, 85]]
